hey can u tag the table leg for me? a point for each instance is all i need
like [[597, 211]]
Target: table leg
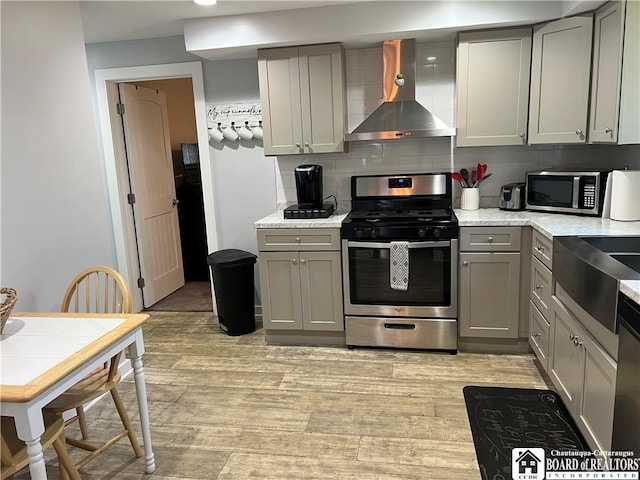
[[141, 393], [36, 460], [30, 427]]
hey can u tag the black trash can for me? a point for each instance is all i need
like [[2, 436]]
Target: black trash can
[[232, 272]]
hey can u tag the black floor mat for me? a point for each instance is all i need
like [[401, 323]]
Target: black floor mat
[[506, 418]]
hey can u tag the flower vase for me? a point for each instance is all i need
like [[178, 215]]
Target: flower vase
[[470, 199]]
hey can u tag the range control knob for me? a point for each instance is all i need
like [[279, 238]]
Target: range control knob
[[422, 232], [359, 233], [373, 233], [437, 232]]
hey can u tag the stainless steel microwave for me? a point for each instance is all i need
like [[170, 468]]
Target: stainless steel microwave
[[580, 193]]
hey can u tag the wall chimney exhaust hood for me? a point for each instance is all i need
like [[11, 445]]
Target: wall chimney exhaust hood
[[400, 116]]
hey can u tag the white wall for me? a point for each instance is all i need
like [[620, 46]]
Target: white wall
[[54, 210]]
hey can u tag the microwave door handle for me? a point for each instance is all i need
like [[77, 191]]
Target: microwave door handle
[[442, 243], [576, 192]]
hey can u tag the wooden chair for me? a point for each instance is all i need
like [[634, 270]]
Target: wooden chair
[[97, 290], [13, 451]]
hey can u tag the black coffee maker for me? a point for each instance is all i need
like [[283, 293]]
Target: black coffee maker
[[310, 195], [309, 186]]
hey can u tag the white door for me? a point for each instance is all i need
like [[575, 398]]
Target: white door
[[146, 130]]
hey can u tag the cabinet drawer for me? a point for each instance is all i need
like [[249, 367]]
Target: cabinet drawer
[[490, 239], [542, 248], [278, 239], [541, 284], [539, 332]]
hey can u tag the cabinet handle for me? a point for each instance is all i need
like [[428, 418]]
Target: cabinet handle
[[579, 131], [306, 144], [521, 134], [536, 334], [576, 342], [303, 261], [298, 239], [294, 261], [571, 336], [607, 130], [540, 248], [490, 239], [538, 287], [297, 145], [465, 263]]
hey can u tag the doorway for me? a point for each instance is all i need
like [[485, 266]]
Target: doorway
[[187, 173], [115, 160]]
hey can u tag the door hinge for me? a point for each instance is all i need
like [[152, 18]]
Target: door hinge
[[120, 108], [141, 282], [131, 198]]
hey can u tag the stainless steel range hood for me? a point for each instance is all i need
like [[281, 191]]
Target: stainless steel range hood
[[400, 116]]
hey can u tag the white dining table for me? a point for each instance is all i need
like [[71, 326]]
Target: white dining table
[[43, 354]]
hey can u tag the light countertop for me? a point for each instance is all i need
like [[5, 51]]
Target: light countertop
[[553, 225], [549, 224], [277, 220]]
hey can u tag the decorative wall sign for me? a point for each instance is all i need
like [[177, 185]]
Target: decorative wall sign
[[239, 113]]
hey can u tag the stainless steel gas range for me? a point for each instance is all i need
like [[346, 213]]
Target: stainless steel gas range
[[400, 260]]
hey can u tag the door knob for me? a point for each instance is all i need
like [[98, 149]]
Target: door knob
[[175, 202]]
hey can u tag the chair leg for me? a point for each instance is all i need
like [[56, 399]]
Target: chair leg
[[126, 422], [65, 460], [82, 420]]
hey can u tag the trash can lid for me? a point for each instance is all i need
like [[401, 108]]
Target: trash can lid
[[231, 256]]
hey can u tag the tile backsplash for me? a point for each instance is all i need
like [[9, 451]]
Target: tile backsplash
[[435, 72]]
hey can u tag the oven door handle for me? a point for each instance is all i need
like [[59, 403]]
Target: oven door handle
[[436, 244]]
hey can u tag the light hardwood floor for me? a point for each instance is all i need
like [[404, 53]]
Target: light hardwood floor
[[234, 408]]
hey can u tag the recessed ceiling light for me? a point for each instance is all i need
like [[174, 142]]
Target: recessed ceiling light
[[205, 2]]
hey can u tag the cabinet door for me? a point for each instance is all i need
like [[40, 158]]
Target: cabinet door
[[560, 72], [566, 363], [278, 74], [489, 294], [596, 409], [321, 283], [322, 92], [629, 125], [541, 284], [539, 330], [493, 87], [606, 73], [280, 290]]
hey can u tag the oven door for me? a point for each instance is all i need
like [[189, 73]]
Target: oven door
[[433, 280]]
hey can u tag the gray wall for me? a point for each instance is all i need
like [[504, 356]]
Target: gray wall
[[244, 179], [54, 212]]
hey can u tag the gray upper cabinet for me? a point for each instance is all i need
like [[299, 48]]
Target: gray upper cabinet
[[303, 97], [629, 124], [606, 73], [492, 85], [560, 74]]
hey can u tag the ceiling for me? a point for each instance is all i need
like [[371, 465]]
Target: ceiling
[[110, 21]]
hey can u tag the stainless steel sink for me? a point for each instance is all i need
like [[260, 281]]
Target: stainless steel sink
[[590, 268], [611, 245], [631, 260]]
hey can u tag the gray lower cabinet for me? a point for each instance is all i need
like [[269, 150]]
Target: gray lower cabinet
[[489, 282], [301, 288], [540, 313], [585, 376]]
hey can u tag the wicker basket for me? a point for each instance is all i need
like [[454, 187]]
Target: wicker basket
[[7, 305]]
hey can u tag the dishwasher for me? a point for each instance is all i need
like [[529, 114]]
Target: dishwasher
[[626, 413]]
